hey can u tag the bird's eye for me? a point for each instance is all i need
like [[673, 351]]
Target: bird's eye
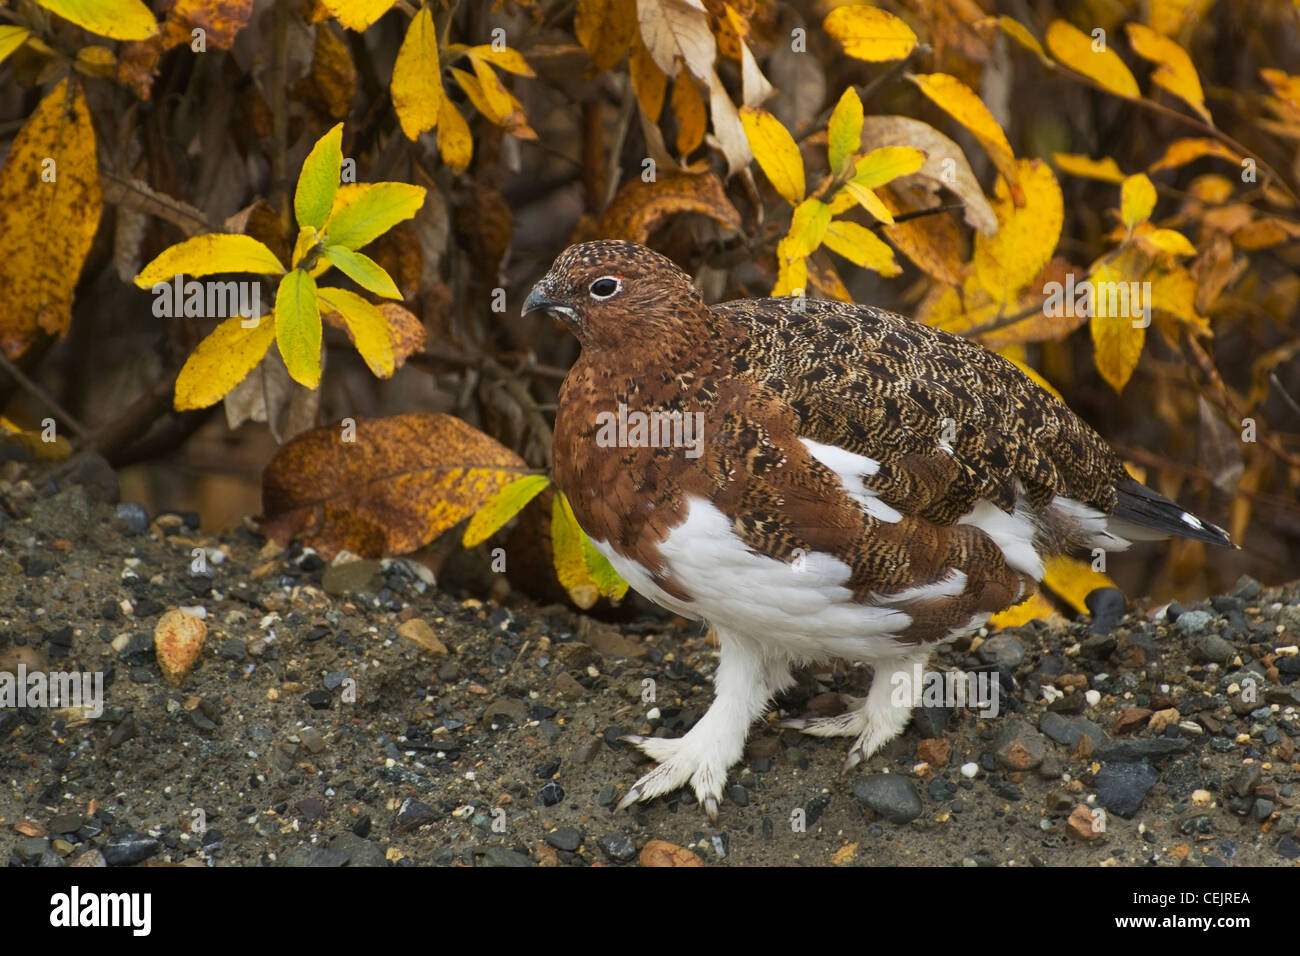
[[605, 287]]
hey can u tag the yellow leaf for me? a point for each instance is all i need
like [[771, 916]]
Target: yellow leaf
[[319, 179], [861, 246], [1103, 66], [455, 144], [1137, 199], [1174, 70], [692, 120], [97, 61], [366, 326], [886, 164], [868, 200], [673, 29], [870, 34], [1027, 235], [776, 152], [210, 254], [1105, 169], [503, 58], [648, 82], [493, 100], [42, 445], [568, 555], [417, 78], [499, 101], [357, 14], [605, 28], [297, 327], [960, 102], [1175, 292], [118, 19], [1183, 151], [844, 133], [1117, 333], [1212, 189], [792, 274], [50, 202], [364, 211], [11, 38], [1035, 608], [501, 507], [1017, 31], [807, 226], [1286, 86], [1073, 580], [1168, 240], [221, 362]]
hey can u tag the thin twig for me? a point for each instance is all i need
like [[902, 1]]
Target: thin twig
[[1228, 402], [1277, 383], [44, 397]]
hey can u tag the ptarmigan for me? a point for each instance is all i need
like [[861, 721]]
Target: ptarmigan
[[815, 480]]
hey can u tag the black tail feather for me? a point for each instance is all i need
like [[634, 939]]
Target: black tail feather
[[1150, 509]]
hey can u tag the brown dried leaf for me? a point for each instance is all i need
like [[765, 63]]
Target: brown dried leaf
[[333, 75], [401, 483], [640, 207], [220, 20], [945, 164]]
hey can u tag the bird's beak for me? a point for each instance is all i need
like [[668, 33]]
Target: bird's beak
[[539, 300]]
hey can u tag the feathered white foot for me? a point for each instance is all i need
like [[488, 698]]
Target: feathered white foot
[[873, 720], [745, 681]]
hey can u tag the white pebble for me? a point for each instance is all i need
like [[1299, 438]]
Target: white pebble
[[1093, 697], [969, 770], [653, 714]]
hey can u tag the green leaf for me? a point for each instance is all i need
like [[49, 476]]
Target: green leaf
[[118, 19], [503, 506], [844, 134], [807, 226], [362, 270], [567, 554], [297, 327], [367, 326], [206, 255], [11, 38], [365, 211], [602, 572], [889, 162], [319, 179]]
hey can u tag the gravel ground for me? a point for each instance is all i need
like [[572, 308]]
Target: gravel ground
[[355, 715]]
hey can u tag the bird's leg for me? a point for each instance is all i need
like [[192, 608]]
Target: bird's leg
[[745, 681], [880, 716]]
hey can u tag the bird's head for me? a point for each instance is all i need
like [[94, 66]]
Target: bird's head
[[614, 294]]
